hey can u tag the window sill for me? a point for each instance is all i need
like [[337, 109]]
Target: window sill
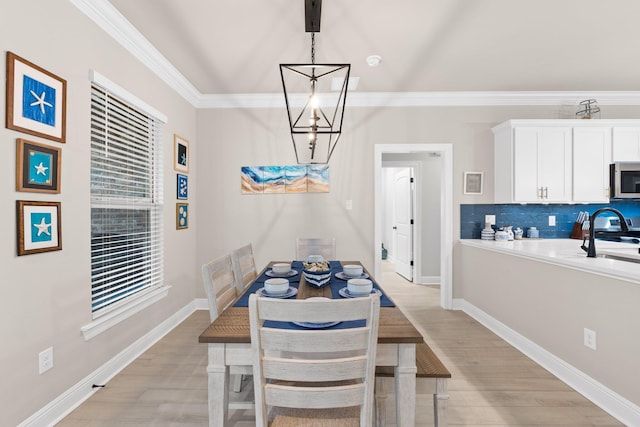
[[111, 319]]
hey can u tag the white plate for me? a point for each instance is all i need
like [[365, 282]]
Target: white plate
[[290, 292], [343, 276], [270, 273], [311, 325], [344, 292]]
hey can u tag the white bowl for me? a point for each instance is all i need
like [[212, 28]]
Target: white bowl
[[315, 258], [276, 286], [281, 268], [352, 270], [359, 286]]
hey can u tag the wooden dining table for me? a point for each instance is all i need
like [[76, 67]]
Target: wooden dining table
[[229, 343]]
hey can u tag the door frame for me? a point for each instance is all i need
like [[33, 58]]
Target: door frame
[[446, 211], [416, 202]]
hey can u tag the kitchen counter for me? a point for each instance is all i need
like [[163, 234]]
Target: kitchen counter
[[567, 253]]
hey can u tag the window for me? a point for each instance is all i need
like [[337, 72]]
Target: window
[[126, 198]]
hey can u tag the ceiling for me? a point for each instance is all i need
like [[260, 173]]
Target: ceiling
[[235, 46]]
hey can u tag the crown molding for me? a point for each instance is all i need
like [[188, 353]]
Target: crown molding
[[107, 17]]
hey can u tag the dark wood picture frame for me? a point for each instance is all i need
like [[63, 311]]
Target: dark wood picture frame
[[37, 167], [36, 100], [39, 227]]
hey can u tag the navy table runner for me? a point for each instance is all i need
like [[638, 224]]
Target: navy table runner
[[335, 284]]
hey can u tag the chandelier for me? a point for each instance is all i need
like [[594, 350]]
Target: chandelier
[[315, 97]]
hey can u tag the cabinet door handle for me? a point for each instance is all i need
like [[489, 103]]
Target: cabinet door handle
[[540, 193], [546, 192]]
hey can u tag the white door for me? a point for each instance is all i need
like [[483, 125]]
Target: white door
[[403, 223]]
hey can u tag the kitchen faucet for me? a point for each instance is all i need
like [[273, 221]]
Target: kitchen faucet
[[591, 250]]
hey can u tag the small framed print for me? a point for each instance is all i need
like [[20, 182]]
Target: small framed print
[[37, 167], [180, 154], [182, 216], [39, 227], [473, 182], [182, 187], [36, 100]]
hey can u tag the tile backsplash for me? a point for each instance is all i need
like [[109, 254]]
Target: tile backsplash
[[535, 215]]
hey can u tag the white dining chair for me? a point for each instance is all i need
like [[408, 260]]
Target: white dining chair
[[244, 266], [315, 246], [221, 288], [314, 376]]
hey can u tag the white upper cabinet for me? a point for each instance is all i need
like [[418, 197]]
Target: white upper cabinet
[[626, 144], [560, 161], [591, 159]]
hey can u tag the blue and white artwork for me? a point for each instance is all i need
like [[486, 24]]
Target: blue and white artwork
[[273, 179], [183, 187], [251, 179], [285, 179], [318, 179], [40, 167], [182, 215], [41, 223], [296, 178], [38, 101]]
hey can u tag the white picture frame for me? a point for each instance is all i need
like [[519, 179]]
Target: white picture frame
[[473, 183]]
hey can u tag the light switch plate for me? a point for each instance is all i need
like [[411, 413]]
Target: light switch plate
[[552, 220]]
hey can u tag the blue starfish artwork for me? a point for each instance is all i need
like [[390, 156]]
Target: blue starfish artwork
[[40, 168], [41, 227], [38, 101]]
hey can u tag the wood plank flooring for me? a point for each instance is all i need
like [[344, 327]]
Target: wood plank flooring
[[492, 383]]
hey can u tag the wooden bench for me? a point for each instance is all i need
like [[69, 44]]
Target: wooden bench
[[431, 378]]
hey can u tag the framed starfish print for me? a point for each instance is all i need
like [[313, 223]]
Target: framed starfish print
[[36, 100], [39, 227], [180, 154], [37, 167]]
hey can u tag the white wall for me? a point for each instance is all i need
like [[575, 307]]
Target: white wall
[[45, 298]]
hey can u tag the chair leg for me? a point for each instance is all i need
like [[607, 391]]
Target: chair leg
[[237, 383], [381, 393]]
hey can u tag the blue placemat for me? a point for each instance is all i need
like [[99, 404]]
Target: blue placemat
[[335, 284]]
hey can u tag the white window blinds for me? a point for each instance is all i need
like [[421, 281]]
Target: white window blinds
[[126, 201]]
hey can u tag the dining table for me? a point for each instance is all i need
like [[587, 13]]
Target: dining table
[[229, 340]]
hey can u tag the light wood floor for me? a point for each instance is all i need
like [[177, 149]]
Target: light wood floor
[[492, 383]]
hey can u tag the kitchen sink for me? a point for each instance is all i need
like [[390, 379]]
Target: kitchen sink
[[628, 255]]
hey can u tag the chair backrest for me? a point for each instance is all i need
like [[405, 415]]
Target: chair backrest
[[219, 284], [338, 363], [244, 266], [315, 246]]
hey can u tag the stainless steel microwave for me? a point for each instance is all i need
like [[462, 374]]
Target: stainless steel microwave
[[625, 180]]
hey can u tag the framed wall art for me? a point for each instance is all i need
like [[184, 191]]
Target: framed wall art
[[36, 100], [39, 227], [37, 167], [182, 216], [473, 183], [182, 187], [180, 154]]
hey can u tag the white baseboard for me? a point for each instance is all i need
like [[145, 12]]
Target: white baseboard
[[60, 407], [617, 406], [429, 280]]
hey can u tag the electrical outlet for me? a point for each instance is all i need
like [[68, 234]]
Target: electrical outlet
[[552, 220], [590, 338], [349, 205], [45, 360], [491, 219]]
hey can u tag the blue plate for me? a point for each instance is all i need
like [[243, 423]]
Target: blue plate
[[343, 276], [270, 273]]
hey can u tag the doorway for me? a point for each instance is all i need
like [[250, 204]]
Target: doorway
[[445, 151]]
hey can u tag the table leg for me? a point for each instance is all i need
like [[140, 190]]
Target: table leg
[[441, 402], [405, 378], [218, 373]]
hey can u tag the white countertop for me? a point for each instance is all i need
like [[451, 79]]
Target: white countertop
[[567, 253]]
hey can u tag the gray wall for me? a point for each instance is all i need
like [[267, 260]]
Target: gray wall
[[45, 298], [551, 305]]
